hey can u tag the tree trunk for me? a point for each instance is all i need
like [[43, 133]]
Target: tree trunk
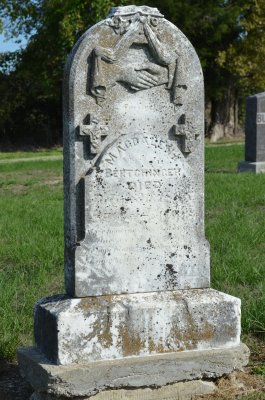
[[222, 115], [236, 116]]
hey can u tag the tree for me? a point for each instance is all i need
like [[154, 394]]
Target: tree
[[212, 26], [32, 111], [245, 57], [227, 34]]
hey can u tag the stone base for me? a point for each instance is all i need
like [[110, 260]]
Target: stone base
[[85, 380], [247, 166], [90, 329], [177, 391]]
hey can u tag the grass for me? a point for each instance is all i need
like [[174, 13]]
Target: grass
[[235, 209], [223, 159], [31, 239], [31, 245], [30, 154]]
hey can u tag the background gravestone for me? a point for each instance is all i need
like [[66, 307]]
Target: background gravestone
[[255, 135], [138, 311]]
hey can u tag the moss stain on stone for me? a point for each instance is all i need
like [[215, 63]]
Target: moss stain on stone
[[188, 339], [130, 341]]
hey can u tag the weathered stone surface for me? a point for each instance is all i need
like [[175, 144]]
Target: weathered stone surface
[[177, 391], [133, 161], [138, 311], [255, 135], [134, 372], [108, 327]]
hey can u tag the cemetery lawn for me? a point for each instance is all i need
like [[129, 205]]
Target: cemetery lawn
[[31, 245], [11, 155], [234, 214], [31, 240]]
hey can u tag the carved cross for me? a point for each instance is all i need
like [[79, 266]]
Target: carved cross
[[96, 132], [188, 135]]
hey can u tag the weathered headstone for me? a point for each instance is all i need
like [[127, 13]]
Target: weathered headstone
[[138, 311], [255, 135]]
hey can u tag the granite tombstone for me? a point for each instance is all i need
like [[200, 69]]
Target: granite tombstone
[[138, 310], [255, 135]]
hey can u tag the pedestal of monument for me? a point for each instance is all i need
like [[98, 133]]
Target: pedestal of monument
[[139, 319], [248, 166], [134, 341]]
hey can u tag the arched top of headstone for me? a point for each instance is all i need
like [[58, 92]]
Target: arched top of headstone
[[127, 11], [135, 50], [133, 140]]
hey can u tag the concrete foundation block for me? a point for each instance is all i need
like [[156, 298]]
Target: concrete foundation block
[[84, 380], [177, 391], [71, 331], [247, 166]]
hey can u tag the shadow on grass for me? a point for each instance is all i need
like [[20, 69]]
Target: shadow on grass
[[12, 385]]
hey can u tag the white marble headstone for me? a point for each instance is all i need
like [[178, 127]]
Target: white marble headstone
[[134, 223], [133, 142]]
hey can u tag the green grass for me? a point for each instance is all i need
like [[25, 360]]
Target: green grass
[[235, 210], [259, 370], [223, 159], [31, 239], [31, 245], [29, 154]]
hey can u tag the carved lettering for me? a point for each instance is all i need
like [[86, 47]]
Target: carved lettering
[[111, 158], [137, 173], [128, 144], [260, 118], [140, 185], [119, 150]]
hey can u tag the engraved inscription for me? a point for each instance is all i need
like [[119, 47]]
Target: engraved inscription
[[260, 118], [149, 141], [140, 185], [140, 193], [140, 173]]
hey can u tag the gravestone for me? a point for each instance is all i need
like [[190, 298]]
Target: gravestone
[[255, 135], [139, 311]]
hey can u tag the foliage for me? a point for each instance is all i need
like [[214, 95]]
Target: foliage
[[227, 34], [260, 370], [245, 57], [30, 104], [210, 25]]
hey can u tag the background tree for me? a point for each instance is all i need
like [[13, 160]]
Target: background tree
[[228, 36], [244, 58]]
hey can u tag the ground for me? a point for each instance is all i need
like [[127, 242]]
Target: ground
[[234, 226], [12, 386]]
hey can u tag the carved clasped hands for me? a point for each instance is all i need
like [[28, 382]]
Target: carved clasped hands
[[152, 70], [139, 77]]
